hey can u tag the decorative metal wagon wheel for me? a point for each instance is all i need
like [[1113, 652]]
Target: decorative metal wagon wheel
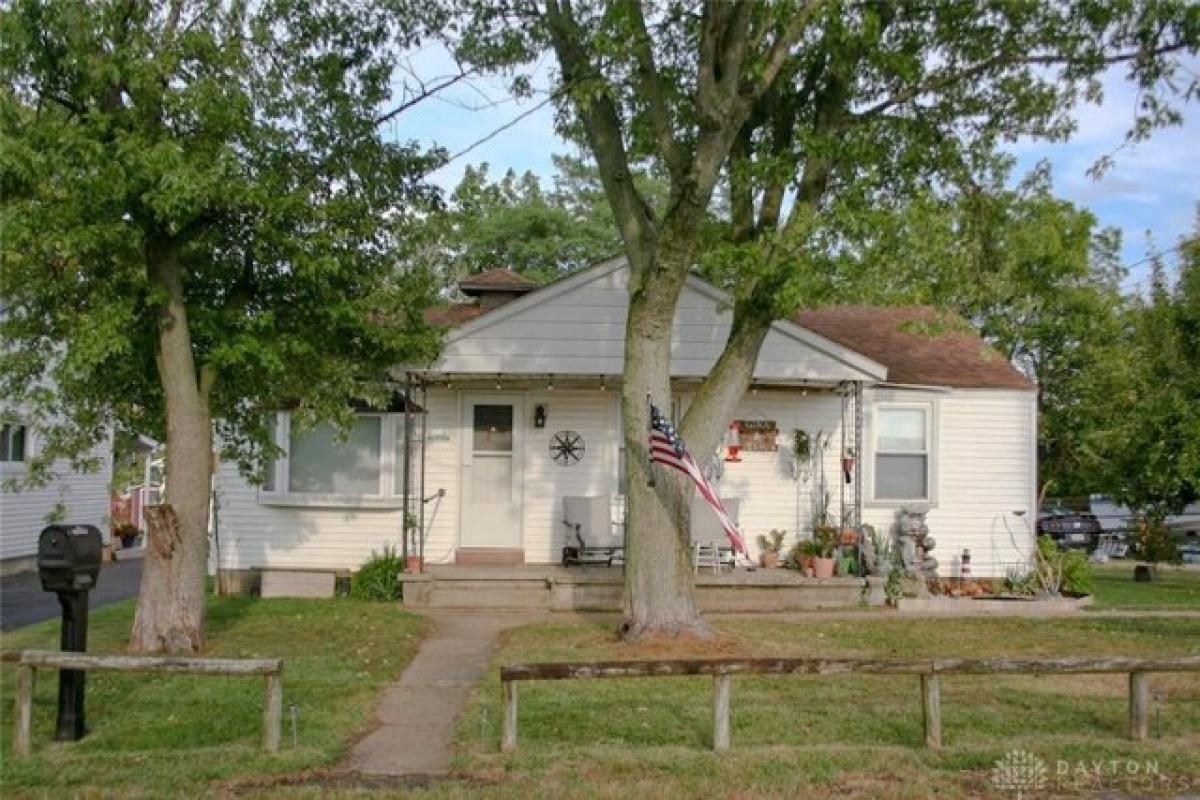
[[566, 448]]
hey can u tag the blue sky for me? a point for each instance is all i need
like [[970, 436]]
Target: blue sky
[[1153, 188]]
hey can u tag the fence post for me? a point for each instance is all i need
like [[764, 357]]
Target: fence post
[[23, 733], [272, 712], [931, 694], [508, 739], [721, 684], [1139, 705]]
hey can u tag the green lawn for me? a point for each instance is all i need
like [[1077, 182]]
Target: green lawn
[[161, 735], [857, 735], [1174, 588]]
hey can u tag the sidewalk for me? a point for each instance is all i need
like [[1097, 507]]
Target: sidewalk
[[416, 716]]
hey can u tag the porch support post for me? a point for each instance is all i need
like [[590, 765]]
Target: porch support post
[[421, 503], [404, 476]]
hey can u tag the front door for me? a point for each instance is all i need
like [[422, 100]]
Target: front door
[[491, 479]]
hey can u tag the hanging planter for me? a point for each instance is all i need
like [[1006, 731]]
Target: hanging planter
[[848, 466]]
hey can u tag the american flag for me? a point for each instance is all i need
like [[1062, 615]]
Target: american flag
[[667, 448]]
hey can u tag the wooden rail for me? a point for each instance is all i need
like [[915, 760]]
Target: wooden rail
[[929, 670], [28, 661]]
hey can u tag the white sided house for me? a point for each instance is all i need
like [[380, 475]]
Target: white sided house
[[900, 408], [69, 497]]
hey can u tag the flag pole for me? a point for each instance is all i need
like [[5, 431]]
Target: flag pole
[[649, 431]]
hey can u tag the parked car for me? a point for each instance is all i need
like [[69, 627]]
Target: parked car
[[1069, 529]]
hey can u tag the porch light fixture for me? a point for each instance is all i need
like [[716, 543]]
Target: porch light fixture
[[550, 384], [539, 416], [497, 383], [603, 384]]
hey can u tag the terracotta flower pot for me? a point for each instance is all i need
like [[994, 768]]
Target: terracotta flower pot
[[823, 567], [808, 571], [849, 536], [769, 559], [412, 564]]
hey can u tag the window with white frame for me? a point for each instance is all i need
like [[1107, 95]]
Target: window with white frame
[[902, 452], [13, 443], [323, 462]]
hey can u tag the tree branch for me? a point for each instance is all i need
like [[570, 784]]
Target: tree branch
[[951, 78], [651, 85], [602, 124], [425, 94]]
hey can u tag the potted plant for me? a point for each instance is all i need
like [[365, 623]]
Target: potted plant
[[824, 540], [880, 552], [770, 547], [802, 557], [128, 534]]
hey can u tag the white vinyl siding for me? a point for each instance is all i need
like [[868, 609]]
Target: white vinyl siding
[[582, 331], [984, 477], [81, 497]]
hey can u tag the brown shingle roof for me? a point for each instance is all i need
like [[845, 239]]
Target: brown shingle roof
[[917, 344], [453, 315], [498, 280]]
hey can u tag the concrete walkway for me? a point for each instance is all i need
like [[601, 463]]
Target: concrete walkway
[[417, 715]]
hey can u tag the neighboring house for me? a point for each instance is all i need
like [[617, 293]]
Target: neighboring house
[[944, 422], [72, 497]]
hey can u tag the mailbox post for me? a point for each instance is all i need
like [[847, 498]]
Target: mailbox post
[[68, 565]]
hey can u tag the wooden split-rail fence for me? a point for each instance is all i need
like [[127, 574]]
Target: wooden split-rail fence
[[27, 661], [929, 671]]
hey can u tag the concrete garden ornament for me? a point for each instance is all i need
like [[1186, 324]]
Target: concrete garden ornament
[[916, 544]]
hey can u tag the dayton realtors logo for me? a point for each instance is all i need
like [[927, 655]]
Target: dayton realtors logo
[[1020, 772], [1025, 776]]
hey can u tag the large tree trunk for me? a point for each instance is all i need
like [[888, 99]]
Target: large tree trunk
[[170, 607], [658, 571], [659, 588]]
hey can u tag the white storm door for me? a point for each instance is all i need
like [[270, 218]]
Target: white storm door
[[491, 475]]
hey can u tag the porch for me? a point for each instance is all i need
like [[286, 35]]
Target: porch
[[599, 588]]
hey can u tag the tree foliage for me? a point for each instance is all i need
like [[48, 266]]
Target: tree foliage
[[1150, 439], [515, 222], [200, 219]]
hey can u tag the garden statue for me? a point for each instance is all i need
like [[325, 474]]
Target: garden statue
[[916, 543]]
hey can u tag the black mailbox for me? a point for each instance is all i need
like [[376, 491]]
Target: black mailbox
[[68, 560], [68, 557]]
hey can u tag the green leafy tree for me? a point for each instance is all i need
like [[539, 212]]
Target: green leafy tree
[[1151, 436], [200, 219], [516, 223], [802, 112]]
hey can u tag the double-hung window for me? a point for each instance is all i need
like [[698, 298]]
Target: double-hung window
[[903, 468], [13, 443]]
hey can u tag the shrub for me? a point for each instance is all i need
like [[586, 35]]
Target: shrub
[[1060, 571], [379, 577]]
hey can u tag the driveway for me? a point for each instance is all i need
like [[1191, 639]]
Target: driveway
[[22, 601]]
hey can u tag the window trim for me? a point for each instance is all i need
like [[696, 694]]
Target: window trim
[[22, 466], [385, 496], [930, 409]]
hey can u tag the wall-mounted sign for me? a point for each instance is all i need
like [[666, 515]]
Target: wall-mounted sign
[[758, 435]]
